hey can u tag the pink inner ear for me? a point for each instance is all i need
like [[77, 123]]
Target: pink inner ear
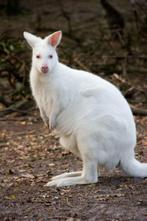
[[54, 38]]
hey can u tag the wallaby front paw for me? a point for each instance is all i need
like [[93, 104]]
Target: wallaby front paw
[[46, 122], [47, 125], [52, 123]]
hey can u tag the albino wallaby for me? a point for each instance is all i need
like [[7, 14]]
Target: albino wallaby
[[89, 114]]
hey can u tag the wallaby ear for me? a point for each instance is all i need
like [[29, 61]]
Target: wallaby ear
[[55, 38], [31, 39]]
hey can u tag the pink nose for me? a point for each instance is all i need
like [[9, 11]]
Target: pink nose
[[44, 68]]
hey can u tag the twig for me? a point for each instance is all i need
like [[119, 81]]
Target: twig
[[66, 15], [81, 65], [17, 107], [139, 111], [114, 19], [3, 101]]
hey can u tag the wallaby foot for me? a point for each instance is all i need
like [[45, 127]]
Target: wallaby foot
[[87, 176], [64, 175], [70, 181]]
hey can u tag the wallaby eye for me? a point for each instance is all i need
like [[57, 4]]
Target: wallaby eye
[[50, 56], [38, 56]]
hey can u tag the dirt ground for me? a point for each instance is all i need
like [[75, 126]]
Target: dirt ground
[[30, 155], [29, 158]]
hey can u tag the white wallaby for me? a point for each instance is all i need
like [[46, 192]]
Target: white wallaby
[[89, 114]]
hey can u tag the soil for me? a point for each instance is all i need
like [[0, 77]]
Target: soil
[[30, 156]]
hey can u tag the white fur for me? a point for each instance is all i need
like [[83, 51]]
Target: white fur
[[89, 114]]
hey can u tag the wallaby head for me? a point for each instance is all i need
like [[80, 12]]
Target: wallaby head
[[44, 57]]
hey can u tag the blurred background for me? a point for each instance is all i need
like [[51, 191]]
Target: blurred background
[[106, 37]]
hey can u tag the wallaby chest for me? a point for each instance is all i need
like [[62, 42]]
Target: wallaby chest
[[42, 93]]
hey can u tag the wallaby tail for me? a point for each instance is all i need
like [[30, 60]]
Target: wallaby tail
[[134, 168]]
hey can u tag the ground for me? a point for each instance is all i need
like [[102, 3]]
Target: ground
[[30, 156]]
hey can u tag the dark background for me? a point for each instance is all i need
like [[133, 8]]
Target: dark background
[[108, 38]]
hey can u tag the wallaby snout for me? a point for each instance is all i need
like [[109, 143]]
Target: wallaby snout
[[44, 68]]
